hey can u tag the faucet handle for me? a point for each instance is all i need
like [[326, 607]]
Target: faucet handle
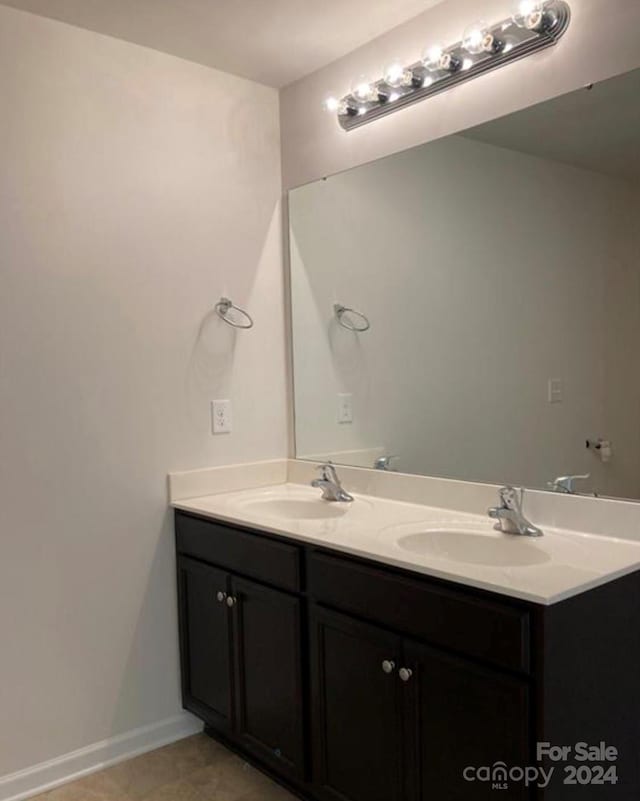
[[329, 472], [511, 498], [331, 485]]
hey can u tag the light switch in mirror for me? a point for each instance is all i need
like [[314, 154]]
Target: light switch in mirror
[[499, 270]]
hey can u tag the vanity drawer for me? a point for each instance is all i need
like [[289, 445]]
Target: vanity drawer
[[239, 551], [468, 624]]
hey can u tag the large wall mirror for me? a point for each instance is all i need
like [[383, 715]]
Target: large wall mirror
[[494, 278]]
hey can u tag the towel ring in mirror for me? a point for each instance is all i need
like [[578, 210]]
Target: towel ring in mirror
[[224, 306], [362, 323]]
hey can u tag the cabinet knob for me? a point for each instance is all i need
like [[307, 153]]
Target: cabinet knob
[[231, 601], [221, 596], [388, 666], [405, 674]]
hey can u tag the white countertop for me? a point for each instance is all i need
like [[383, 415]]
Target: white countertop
[[544, 570]]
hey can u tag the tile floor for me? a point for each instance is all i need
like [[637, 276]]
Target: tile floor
[[195, 769]]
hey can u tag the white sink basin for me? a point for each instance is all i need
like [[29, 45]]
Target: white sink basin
[[475, 547], [284, 508]]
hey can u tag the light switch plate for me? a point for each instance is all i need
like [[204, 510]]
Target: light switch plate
[[555, 390], [221, 416]]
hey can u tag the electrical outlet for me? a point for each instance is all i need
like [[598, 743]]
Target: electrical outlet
[[221, 416], [345, 408]]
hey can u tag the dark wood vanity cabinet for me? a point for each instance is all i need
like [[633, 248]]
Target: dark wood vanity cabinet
[[351, 681], [241, 658], [357, 710], [267, 630], [463, 714], [205, 642], [395, 719]]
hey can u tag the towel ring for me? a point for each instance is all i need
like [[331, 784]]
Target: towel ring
[[340, 310], [224, 306]]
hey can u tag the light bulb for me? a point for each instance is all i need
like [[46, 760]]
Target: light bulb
[[473, 38], [427, 81], [432, 57], [363, 89], [479, 39], [529, 13], [395, 74], [467, 63], [331, 104]]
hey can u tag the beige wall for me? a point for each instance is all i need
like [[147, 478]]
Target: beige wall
[[602, 41], [135, 189]]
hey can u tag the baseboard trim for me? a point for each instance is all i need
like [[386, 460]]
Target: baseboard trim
[[51, 774]]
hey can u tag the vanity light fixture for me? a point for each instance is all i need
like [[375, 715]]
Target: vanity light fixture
[[533, 25]]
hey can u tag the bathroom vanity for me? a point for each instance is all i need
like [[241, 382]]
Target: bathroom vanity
[[353, 679], [466, 312]]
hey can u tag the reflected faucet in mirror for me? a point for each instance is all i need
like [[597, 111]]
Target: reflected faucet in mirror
[[566, 484], [384, 462], [509, 515], [330, 484]]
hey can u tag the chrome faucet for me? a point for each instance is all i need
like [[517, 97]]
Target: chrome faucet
[[509, 514], [384, 462], [330, 484], [566, 484]]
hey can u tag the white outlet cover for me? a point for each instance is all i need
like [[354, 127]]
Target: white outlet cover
[[345, 408], [221, 421]]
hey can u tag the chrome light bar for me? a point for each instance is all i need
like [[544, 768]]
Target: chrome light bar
[[534, 25]]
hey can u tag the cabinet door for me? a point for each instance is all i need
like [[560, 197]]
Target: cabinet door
[[205, 646], [463, 716], [356, 710], [269, 696]]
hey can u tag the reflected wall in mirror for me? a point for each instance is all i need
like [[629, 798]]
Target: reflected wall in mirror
[[500, 272]]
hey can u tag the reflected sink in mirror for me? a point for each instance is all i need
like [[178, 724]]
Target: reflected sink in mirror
[[475, 548]]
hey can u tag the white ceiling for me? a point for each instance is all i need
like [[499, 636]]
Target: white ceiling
[[271, 41], [597, 129]]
